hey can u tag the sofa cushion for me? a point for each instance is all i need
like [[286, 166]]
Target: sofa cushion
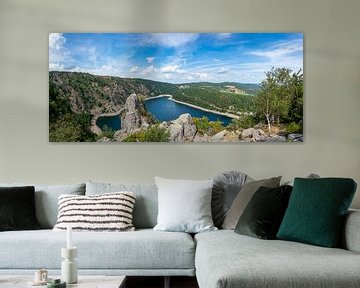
[[17, 208], [317, 209], [225, 189], [146, 205], [225, 259], [105, 212], [350, 239], [143, 249], [263, 215], [184, 205], [243, 198], [46, 200]]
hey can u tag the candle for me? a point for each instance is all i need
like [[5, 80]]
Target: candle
[[69, 237]]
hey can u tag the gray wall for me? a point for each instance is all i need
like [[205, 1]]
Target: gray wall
[[332, 85]]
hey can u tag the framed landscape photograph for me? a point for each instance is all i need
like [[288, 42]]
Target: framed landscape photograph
[[176, 87]]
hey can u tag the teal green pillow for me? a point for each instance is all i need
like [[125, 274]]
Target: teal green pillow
[[316, 211]]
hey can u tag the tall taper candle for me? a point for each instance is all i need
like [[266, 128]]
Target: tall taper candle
[[69, 237]]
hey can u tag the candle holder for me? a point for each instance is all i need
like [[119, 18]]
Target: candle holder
[[69, 271]]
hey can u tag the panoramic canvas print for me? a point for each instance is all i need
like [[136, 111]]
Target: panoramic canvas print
[[176, 87]]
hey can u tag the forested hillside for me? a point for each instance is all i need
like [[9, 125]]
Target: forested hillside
[[74, 99], [104, 94]]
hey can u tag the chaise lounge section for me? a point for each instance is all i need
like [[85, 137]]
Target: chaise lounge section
[[225, 259]]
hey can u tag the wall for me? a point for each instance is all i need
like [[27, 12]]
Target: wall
[[332, 100]]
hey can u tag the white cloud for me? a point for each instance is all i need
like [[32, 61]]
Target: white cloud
[[222, 36], [134, 69], [280, 50], [148, 70], [171, 39], [56, 67], [56, 41], [222, 71], [109, 70], [172, 69], [150, 59], [56, 51], [169, 69], [201, 76]]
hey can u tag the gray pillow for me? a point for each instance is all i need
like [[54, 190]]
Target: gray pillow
[[226, 187], [310, 176], [146, 204], [244, 197], [184, 205], [46, 200]]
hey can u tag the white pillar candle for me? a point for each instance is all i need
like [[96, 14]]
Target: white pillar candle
[[69, 237]]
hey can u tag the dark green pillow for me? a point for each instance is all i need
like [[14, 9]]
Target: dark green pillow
[[316, 211], [17, 209], [263, 214]]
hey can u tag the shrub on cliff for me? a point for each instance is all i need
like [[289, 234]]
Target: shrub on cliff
[[244, 122], [106, 132], [152, 134], [204, 126], [293, 128], [71, 127]]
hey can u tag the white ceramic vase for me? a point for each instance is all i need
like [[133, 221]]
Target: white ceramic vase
[[69, 270]]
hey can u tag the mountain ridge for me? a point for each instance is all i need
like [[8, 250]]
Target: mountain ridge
[[96, 94]]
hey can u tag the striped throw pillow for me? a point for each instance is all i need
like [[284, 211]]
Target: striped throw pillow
[[105, 212]]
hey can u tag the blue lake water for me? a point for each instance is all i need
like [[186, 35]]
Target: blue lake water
[[164, 109], [113, 122]]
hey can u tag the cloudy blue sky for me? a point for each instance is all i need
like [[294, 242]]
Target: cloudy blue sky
[[177, 57]]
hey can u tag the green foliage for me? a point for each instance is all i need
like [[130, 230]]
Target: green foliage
[[65, 129], [58, 103], [280, 96], [244, 122], [152, 134], [214, 99], [106, 132], [88, 91], [296, 106], [204, 126], [71, 127], [293, 128]]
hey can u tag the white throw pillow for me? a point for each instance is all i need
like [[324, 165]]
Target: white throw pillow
[[105, 212], [184, 205]]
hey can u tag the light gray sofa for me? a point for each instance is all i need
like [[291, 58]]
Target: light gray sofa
[[143, 252], [226, 259], [220, 259]]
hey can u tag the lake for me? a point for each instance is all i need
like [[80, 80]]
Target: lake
[[113, 122], [164, 109]]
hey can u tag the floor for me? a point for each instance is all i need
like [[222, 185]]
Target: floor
[[158, 282]]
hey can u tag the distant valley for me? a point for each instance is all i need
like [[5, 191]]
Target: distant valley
[[106, 94], [87, 108]]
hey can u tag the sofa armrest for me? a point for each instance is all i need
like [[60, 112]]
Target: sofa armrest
[[351, 234]]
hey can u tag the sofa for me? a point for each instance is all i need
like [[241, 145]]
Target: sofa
[[218, 259]]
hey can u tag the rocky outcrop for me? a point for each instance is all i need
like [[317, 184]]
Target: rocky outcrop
[[182, 129], [93, 127], [132, 118], [296, 137], [225, 136], [252, 134], [105, 139]]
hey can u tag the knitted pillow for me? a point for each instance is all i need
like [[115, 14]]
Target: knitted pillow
[[105, 212]]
